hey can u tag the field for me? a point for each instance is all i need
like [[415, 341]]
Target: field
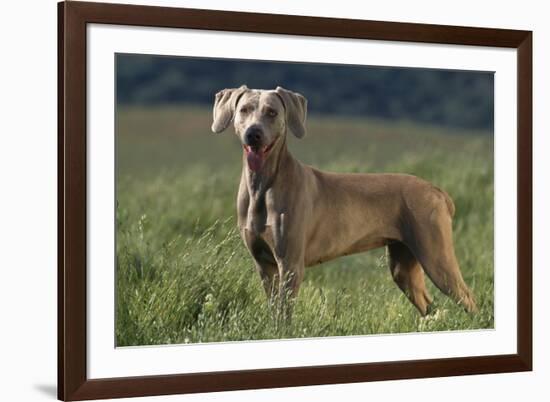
[[184, 276]]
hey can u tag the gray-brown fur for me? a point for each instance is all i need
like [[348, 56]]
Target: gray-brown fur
[[292, 216]]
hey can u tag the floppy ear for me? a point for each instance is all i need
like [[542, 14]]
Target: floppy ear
[[224, 107], [296, 110]]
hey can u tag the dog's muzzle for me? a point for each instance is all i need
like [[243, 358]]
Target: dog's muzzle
[[256, 153]]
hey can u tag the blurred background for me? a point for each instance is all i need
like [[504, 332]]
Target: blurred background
[[457, 99], [183, 274]]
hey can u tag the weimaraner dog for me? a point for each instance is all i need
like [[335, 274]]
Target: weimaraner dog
[[292, 216]]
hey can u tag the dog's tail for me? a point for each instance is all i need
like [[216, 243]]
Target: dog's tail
[[448, 201]]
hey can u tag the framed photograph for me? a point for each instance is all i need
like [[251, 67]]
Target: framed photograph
[[252, 200]]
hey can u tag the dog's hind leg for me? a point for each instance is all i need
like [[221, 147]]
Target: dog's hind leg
[[408, 275], [433, 246], [444, 272]]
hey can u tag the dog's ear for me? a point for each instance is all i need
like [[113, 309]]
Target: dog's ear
[[224, 107], [296, 110]]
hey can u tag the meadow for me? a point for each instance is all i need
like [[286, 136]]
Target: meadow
[[183, 274]]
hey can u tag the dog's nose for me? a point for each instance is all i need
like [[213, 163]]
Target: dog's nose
[[253, 136]]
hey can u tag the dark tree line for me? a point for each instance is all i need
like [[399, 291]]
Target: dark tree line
[[458, 99]]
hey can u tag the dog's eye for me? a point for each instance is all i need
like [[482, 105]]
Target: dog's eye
[[272, 113], [244, 110]]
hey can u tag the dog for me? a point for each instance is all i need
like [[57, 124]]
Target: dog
[[292, 216]]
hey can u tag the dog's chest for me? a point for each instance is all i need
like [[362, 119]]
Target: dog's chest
[[261, 227]]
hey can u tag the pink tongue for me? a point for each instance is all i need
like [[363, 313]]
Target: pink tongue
[[254, 160]]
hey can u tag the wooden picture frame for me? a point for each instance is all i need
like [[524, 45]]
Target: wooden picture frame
[[73, 17]]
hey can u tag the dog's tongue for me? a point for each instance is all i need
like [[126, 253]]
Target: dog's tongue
[[255, 160]]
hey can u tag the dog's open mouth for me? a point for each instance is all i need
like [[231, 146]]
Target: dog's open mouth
[[255, 156]]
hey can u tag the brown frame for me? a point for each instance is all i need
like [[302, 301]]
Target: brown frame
[[73, 383]]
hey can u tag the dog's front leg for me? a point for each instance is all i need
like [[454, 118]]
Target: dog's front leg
[[269, 274], [280, 292], [292, 275], [289, 255], [281, 281]]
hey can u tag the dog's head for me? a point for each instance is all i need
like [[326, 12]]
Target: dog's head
[[261, 119]]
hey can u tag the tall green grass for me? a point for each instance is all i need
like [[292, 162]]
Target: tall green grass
[[183, 274]]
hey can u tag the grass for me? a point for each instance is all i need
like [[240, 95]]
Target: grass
[[184, 276]]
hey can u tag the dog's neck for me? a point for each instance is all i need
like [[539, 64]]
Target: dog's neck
[[258, 182]]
